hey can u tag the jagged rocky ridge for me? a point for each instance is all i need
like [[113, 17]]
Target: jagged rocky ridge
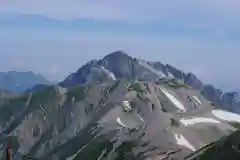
[[117, 108], [118, 65], [114, 120]]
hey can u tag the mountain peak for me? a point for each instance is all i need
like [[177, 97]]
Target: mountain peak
[[117, 54]]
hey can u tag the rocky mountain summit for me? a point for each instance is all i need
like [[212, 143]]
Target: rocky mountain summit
[[119, 65]]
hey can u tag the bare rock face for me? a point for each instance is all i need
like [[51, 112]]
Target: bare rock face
[[119, 65], [112, 120]]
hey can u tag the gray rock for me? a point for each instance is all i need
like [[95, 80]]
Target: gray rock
[[109, 120]]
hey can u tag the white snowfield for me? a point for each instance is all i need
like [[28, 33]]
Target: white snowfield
[[182, 141], [176, 102], [196, 99], [193, 121], [119, 121], [227, 116]]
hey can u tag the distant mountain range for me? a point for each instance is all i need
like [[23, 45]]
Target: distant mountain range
[[20, 81], [119, 65]]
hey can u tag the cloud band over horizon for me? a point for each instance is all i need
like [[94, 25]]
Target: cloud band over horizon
[[57, 37]]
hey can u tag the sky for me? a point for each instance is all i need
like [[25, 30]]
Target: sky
[[56, 37]]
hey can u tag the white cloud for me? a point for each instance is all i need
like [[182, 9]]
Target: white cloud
[[207, 56], [202, 13], [63, 9]]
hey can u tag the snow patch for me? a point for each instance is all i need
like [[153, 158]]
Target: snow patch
[[119, 121], [126, 103], [18, 85], [140, 117], [148, 67], [182, 141], [110, 74], [170, 75], [176, 102], [192, 121], [196, 99], [126, 106], [227, 116]]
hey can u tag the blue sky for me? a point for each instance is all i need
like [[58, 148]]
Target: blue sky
[[56, 37]]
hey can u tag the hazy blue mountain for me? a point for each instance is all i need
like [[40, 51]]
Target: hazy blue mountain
[[20, 81]]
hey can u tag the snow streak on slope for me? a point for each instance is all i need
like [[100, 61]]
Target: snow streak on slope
[[170, 76], [176, 102], [227, 116], [140, 117], [148, 67], [119, 121], [192, 121], [110, 74], [126, 104], [196, 99], [182, 141]]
